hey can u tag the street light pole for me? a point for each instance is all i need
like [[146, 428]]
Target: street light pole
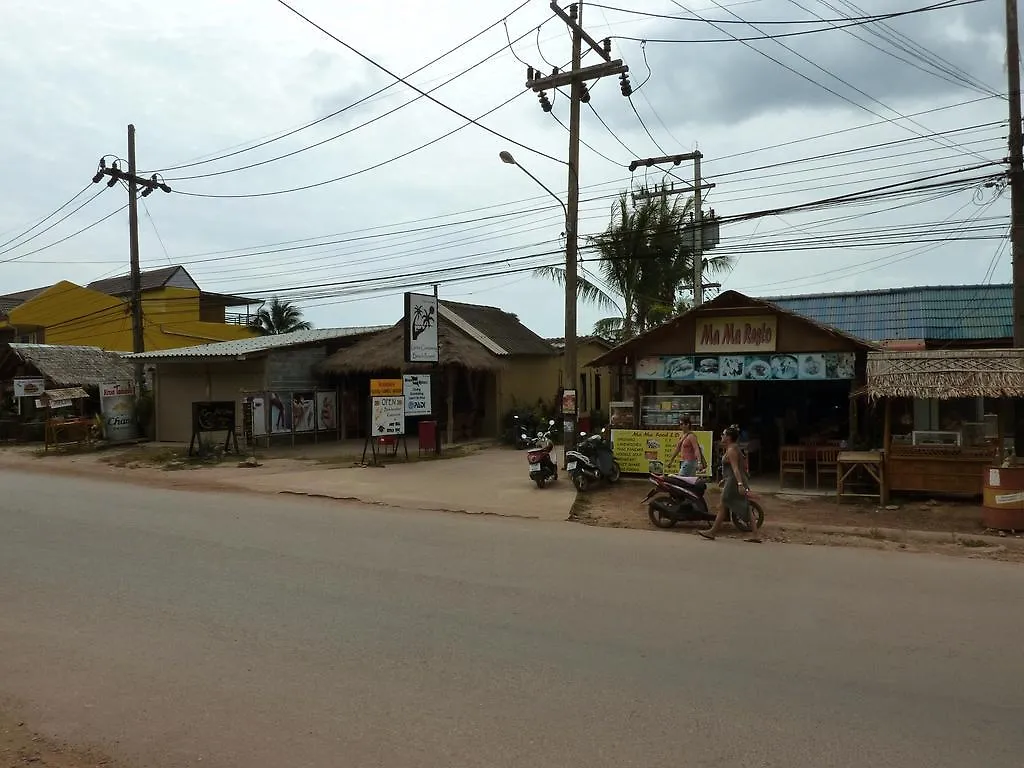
[[569, 351]]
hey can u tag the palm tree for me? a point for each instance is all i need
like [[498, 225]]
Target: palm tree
[[280, 317], [646, 258]]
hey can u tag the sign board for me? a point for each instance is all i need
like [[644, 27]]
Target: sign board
[[642, 451], [117, 404], [386, 387], [736, 334], [29, 387], [326, 410], [213, 416], [421, 316], [805, 366], [569, 402], [387, 416], [417, 395]]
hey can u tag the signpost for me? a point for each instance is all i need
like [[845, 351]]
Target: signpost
[[214, 416], [387, 417]]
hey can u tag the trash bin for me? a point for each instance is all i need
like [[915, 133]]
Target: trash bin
[[427, 436]]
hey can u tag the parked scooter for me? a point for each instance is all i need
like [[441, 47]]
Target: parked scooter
[[677, 499], [520, 436], [592, 462], [542, 468]]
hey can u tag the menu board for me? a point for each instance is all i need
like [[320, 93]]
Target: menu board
[[388, 416], [643, 451], [804, 366]]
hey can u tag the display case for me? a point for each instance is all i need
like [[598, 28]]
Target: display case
[[620, 415], [666, 411], [933, 438]]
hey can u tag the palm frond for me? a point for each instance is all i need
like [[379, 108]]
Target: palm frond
[[585, 289]]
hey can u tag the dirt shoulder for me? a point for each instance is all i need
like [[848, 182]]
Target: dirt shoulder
[[20, 746], [948, 528]]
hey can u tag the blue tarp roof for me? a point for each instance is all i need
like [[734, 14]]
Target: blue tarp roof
[[940, 313]]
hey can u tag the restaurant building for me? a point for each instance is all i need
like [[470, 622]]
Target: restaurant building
[[785, 379]]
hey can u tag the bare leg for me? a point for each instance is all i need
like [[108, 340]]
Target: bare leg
[[716, 527]]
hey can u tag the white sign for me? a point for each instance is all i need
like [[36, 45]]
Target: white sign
[[387, 416], [993, 478], [326, 410], [259, 416], [29, 387], [117, 403], [417, 395], [421, 316]]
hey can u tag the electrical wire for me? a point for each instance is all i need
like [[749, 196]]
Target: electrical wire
[[866, 19], [46, 218], [41, 232]]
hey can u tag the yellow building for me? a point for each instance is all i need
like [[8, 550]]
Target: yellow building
[[176, 313]]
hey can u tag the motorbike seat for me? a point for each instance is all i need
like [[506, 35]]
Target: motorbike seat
[[696, 484]]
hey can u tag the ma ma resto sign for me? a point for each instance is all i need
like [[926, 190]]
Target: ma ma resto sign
[[736, 334]]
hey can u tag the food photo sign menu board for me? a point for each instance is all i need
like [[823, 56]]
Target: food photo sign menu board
[[813, 366]]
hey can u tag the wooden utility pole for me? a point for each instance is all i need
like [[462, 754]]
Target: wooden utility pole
[[576, 79], [1016, 159], [133, 181]]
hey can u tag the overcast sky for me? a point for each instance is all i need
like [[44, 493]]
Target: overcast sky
[[201, 79]]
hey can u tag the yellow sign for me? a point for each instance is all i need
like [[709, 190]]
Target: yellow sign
[[642, 451], [736, 334], [387, 388]]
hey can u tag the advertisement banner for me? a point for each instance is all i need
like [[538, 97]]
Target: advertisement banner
[[117, 404], [643, 451], [805, 366], [387, 416], [421, 315], [416, 389], [386, 388], [259, 415], [29, 387], [569, 402], [326, 411], [736, 334], [280, 414], [304, 411]]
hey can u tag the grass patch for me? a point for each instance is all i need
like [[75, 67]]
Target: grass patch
[[973, 543]]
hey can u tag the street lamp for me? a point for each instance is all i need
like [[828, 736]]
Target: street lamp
[[569, 351]]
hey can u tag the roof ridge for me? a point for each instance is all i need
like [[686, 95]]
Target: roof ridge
[[875, 291]]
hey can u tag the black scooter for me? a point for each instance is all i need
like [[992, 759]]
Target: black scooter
[[677, 499], [592, 462]]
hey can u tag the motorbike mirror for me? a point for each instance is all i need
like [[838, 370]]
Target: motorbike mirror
[[583, 434], [516, 418], [551, 422], [540, 434]]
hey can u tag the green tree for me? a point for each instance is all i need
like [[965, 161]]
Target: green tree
[[280, 317], [646, 259]]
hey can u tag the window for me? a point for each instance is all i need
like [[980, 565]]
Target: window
[[597, 391]]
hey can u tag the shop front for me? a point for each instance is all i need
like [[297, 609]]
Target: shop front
[[949, 421], [783, 379]]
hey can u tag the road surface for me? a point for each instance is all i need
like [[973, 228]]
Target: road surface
[[181, 629]]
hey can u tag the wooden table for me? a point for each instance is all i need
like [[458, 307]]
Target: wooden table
[[871, 462]]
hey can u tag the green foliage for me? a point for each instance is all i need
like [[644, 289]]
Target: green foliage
[[280, 316]]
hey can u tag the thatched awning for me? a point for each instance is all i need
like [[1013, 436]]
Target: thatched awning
[[946, 374], [69, 366], [385, 351]]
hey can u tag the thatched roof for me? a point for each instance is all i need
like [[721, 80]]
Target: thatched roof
[[71, 366], [385, 351], [946, 374]]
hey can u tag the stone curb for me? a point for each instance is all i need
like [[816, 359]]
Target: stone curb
[[1009, 541]]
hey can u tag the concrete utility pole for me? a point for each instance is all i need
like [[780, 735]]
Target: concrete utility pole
[[1016, 160], [576, 78], [133, 182], [698, 211]]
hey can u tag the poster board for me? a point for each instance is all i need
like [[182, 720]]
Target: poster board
[[643, 451], [117, 404], [387, 416], [303, 406], [416, 390], [420, 328], [326, 411]]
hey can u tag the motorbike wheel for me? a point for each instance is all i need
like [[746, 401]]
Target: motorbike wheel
[[539, 481], [743, 525], [581, 481], [616, 473], [658, 519]]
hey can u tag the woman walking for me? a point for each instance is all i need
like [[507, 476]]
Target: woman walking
[[735, 486], [688, 449]]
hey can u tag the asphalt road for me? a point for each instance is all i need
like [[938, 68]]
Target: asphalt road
[[197, 629]]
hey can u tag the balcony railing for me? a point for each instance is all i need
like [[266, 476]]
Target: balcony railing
[[239, 318]]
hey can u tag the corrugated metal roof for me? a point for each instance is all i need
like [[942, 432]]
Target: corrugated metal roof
[[258, 344], [934, 313]]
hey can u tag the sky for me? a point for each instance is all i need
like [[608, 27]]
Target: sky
[[826, 108]]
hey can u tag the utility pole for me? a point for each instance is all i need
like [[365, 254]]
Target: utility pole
[[698, 211], [577, 79], [133, 181], [1016, 160]]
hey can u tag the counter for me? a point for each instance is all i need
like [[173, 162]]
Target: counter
[[938, 469]]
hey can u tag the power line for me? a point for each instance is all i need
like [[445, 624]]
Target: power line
[[866, 19]]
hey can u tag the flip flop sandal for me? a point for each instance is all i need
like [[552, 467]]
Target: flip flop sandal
[[706, 535]]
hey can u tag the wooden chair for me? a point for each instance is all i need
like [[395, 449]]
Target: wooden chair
[[792, 461], [827, 461]]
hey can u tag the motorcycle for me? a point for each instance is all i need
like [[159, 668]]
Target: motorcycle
[[519, 433], [592, 462], [542, 468], [677, 499]]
